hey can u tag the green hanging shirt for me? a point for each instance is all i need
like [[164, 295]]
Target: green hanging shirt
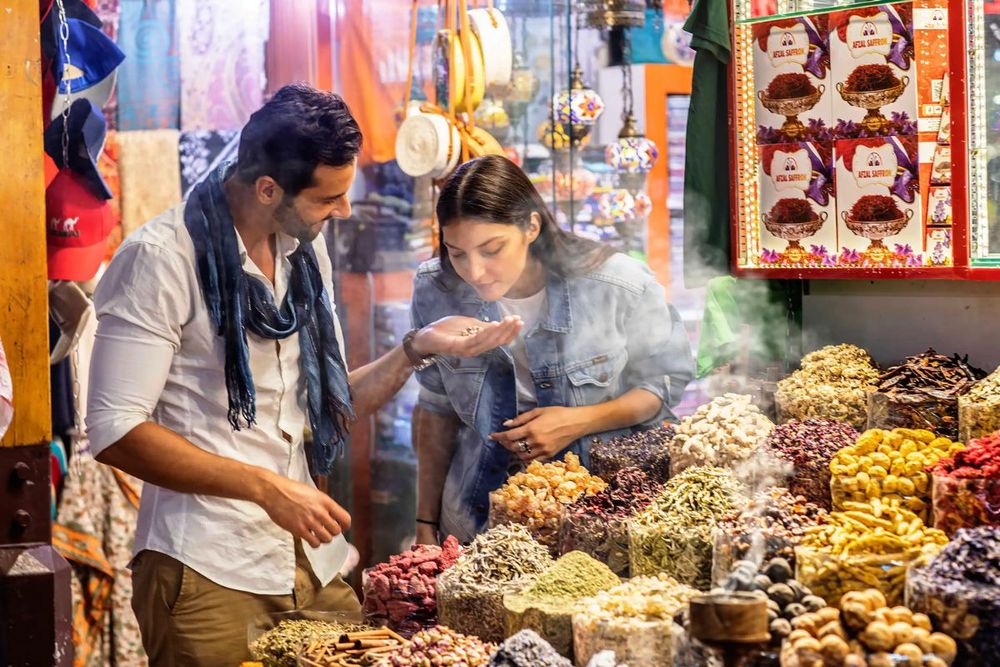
[[706, 167]]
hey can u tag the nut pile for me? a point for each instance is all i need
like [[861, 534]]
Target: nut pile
[[810, 446], [979, 409], [960, 591], [832, 383], [547, 605], [538, 496], [647, 450], [770, 526], [596, 525], [470, 594], [440, 646], [527, 649], [865, 546], [724, 432], [633, 619], [787, 599], [401, 593], [967, 487], [866, 632], [674, 534], [922, 392], [889, 465], [278, 646]]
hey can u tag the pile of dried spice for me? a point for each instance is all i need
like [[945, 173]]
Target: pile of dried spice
[[788, 86], [770, 526], [922, 392], [647, 450], [527, 649], [960, 591], [537, 497], [809, 446], [349, 649], [633, 619], [864, 546], [724, 432], [869, 78], [504, 559], [967, 487], [279, 646], [440, 647], [791, 211], [889, 465], [979, 409], [875, 208], [597, 525], [547, 605], [833, 383], [674, 534], [401, 593]]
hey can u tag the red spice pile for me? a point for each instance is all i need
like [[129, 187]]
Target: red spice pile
[[789, 86], [790, 211], [871, 208], [867, 78], [980, 459], [402, 592]]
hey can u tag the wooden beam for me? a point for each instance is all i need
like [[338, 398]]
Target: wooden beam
[[23, 271]]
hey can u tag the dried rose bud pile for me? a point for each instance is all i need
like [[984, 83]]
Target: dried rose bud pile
[[440, 646], [810, 446], [402, 592]]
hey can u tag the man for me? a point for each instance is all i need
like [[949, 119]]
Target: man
[[217, 347]]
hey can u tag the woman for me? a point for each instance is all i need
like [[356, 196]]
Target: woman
[[601, 352]]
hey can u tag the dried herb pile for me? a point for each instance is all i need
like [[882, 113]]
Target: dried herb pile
[[647, 450], [832, 383], [809, 446]]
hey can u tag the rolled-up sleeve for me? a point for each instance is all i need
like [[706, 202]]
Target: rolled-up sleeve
[[659, 352], [142, 303]]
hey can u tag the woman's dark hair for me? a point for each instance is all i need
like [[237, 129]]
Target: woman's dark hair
[[494, 189], [294, 132]]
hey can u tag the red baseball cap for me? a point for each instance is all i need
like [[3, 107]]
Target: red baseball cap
[[77, 228]]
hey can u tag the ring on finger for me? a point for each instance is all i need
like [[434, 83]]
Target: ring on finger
[[525, 446]]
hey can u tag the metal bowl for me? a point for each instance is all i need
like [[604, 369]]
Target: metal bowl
[[794, 231], [791, 106], [873, 99], [876, 229]]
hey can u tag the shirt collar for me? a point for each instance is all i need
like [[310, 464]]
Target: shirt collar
[[286, 245]]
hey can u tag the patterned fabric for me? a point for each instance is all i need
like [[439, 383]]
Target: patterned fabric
[[222, 62], [150, 175], [109, 11], [149, 90], [95, 533], [203, 151]]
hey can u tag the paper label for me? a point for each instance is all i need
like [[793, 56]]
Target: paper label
[[869, 34], [788, 45], [791, 171], [875, 166]]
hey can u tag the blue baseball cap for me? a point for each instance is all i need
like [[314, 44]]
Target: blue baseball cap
[[92, 53], [87, 133]]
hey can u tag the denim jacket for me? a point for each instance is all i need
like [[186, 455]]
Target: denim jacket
[[605, 333]]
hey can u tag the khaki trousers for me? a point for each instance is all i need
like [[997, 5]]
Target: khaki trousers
[[187, 620]]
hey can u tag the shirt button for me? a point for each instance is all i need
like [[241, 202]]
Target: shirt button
[[545, 385], [603, 377]]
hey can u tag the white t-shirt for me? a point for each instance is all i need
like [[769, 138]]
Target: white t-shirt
[[530, 309]]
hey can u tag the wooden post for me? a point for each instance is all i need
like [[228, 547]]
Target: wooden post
[[34, 579]]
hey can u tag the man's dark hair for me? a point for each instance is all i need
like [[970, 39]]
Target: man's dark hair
[[294, 132]]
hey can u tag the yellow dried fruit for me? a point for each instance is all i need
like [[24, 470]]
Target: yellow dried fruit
[[913, 656], [943, 647], [878, 636]]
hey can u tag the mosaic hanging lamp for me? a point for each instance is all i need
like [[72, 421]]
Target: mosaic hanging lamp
[[578, 107]]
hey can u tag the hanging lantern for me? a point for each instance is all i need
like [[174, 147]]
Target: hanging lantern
[[615, 207], [492, 117], [632, 155], [614, 13], [579, 107]]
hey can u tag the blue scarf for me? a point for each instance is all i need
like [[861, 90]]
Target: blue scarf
[[238, 303]]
